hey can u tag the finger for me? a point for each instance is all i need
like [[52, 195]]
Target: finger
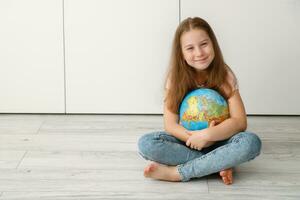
[[188, 143], [198, 148], [212, 123], [189, 133]]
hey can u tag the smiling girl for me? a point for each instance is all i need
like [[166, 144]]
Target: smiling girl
[[178, 154]]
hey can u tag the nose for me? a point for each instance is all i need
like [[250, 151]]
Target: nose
[[199, 52]]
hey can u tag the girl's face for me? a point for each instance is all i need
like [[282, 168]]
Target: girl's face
[[197, 49]]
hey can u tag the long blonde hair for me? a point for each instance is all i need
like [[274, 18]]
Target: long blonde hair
[[181, 78]]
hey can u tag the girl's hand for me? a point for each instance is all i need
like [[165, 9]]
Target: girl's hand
[[196, 139]]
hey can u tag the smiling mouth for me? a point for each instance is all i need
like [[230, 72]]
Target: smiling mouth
[[201, 60]]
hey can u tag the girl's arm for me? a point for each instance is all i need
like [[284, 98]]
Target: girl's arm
[[172, 126], [236, 123]]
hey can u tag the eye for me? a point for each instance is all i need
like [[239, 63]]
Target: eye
[[204, 44], [190, 48]]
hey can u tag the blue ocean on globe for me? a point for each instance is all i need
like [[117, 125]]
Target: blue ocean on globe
[[201, 106]]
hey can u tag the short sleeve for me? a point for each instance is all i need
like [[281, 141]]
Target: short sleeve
[[232, 80]]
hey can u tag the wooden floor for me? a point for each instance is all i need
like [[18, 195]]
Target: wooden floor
[[95, 157]]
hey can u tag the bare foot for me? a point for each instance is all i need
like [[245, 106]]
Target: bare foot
[[162, 172], [227, 176]]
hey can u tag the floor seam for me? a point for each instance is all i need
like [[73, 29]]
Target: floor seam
[[21, 160], [207, 185], [37, 132]]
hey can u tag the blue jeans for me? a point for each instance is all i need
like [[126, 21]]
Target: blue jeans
[[166, 149]]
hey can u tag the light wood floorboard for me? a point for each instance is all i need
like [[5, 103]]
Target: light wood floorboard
[[95, 157]]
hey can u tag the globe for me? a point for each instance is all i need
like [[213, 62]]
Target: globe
[[202, 106]]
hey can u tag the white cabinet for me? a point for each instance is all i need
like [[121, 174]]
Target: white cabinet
[[260, 41], [31, 56], [117, 53]]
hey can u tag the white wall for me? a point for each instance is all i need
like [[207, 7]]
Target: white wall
[[116, 53], [261, 42], [31, 56]]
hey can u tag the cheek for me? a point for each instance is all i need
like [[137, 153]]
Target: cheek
[[211, 52], [186, 56]]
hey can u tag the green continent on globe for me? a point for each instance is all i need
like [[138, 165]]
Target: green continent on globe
[[210, 111]]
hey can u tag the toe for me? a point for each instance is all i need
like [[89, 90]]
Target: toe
[[222, 173], [147, 169], [152, 166], [145, 174], [225, 180]]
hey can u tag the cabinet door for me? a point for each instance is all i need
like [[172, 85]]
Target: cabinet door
[[117, 53], [260, 41], [31, 56]]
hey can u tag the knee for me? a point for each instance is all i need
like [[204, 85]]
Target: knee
[[251, 145], [254, 144], [146, 145]]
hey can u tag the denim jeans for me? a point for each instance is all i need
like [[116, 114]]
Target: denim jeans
[[166, 149]]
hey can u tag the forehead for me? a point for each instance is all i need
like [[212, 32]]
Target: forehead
[[193, 36]]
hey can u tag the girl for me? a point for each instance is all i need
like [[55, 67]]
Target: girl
[[178, 154]]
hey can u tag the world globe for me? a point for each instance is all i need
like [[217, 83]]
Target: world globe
[[202, 106]]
